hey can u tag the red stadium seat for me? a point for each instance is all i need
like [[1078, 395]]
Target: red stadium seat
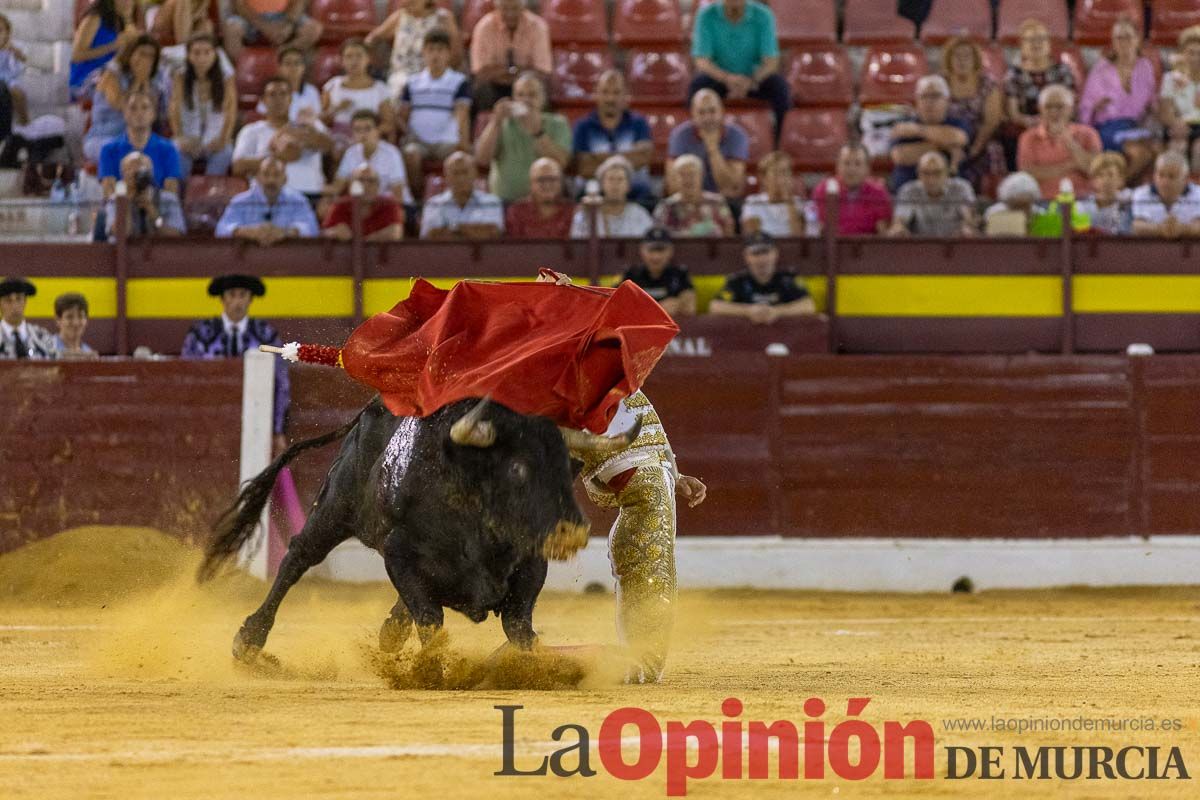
[[206, 197], [639, 22], [1169, 17], [481, 121], [994, 62], [813, 137], [874, 22], [576, 21], [326, 63], [1151, 52], [658, 76], [759, 125], [254, 66], [343, 19], [805, 21], [821, 75], [1094, 19], [662, 121], [576, 72], [1011, 13], [890, 74], [949, 18], [1070, 55], [472, 12]]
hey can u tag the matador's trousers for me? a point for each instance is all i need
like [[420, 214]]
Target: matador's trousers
[[641, 547]]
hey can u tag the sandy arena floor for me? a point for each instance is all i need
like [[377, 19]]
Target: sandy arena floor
[[120, 684]]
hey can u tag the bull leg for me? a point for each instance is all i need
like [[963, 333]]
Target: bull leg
[[423, 611], [305, 551], [516, 612], [396, 628]]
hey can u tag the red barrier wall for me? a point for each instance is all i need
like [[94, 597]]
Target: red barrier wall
[[854, 446]]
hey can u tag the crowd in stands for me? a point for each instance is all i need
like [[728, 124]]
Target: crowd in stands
[[449, 132]]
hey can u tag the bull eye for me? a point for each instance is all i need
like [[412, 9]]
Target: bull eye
[[518, 471]]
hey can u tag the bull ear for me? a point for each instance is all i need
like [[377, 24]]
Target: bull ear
[[472, 430]]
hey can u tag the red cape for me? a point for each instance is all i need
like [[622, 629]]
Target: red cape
[[570, 353]]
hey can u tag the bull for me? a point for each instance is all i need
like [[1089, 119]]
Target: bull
[[465, 505]]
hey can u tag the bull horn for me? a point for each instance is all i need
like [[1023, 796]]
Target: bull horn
[[472, 429], [585, 442]]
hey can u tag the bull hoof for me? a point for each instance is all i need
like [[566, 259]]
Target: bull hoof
[[393, 634]]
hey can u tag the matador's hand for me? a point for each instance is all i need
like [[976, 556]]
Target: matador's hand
[[693, 489]]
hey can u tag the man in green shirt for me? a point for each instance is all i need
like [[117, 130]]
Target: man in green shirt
[[518, 133], [737, 55]]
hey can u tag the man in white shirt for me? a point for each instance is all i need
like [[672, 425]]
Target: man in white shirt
[[462, 211], [435, 108], [383, 157], [18, 338], [298, 145], [1169, 207]]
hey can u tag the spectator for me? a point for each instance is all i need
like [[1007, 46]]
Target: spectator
[[1106, 209], [138, 136], [1018, 200], [863, 205], [737, 54], [778, 210], [355, 90], [691, 211], [152, 211], [1169, 207], [762, 293], [298, 144], [506, 43], [616, 216], [106, 29], [658, 274], [462, 211], [722, 147], [305, 105], [369, 148], [18, 337], [407, 27], [136, 69], [612, 129], [977, 102], [234, 333], [275, 23], [934, 204], [545, 214], [203, 109], [178, 21], [1118, 98], [382, 216], [13, 103], [1179, 97], [1035, 70], [71, 314], [518, 133], [268, 212], [931, 130], [435, 108], [1058, 148]]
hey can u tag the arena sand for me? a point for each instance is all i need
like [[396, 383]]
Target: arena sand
[[116, 681]]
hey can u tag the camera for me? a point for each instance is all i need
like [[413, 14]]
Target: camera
[[142, 181]]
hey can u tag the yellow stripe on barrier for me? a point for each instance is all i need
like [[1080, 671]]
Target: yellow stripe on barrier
[[187, 298], [380, 294], [1133, 294], [101, 294], [949, 296]]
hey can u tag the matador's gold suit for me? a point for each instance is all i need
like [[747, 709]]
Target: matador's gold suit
[[640, 481]]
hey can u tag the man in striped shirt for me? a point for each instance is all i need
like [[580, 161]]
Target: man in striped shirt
[[434, 108]]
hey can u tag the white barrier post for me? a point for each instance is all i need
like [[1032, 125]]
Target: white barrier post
[[258, 402]]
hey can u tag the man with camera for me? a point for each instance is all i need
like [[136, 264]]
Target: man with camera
[[152, 211]]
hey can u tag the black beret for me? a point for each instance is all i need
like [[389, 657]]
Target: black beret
[[15, 285], [223, 283]]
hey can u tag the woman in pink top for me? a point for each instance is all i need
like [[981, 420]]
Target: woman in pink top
[[1119, 96]]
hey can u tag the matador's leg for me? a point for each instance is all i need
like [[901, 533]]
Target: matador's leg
[[642, 552]]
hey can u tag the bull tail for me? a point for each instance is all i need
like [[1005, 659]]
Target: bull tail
[[236, 524]]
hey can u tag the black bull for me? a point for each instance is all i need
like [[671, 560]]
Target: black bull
[[465, 505]]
